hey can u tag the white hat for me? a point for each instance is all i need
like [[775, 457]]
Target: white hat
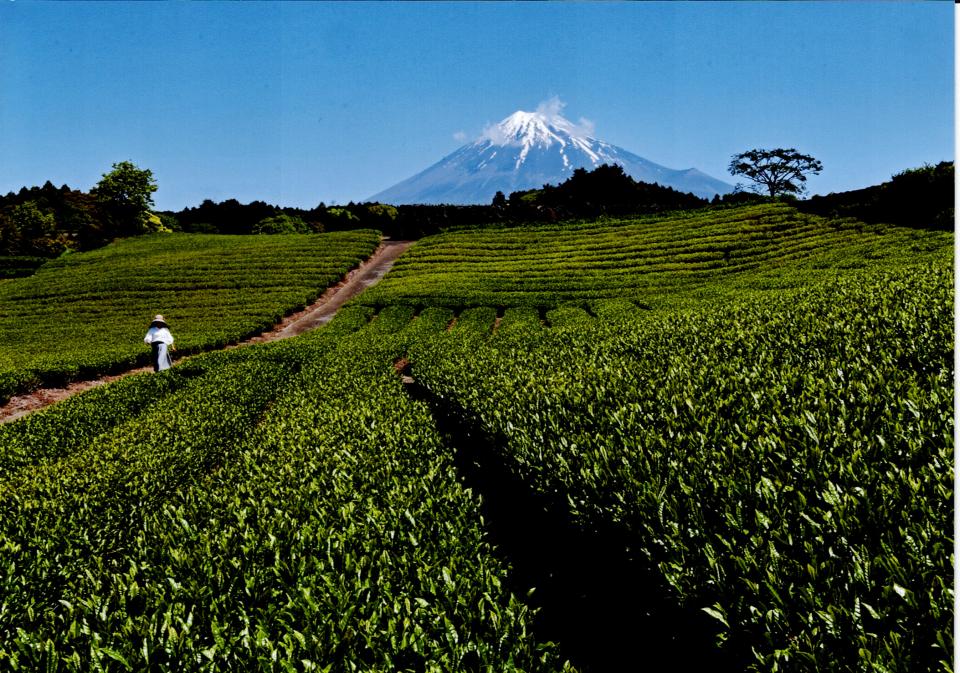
[[159, 319]]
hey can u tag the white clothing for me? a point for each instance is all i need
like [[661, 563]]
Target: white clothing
[[161, 334]]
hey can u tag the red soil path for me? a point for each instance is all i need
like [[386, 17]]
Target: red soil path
[[316, 315]]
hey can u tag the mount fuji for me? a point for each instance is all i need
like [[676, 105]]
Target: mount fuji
[[525, 151]]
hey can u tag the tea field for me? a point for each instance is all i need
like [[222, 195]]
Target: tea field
[[749, 412], [666, 261], [284, 507], [786, 466], [85, 314]]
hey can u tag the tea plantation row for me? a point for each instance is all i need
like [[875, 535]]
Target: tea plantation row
[[284, 507], [785, 465], [657, 261], [85, 314]]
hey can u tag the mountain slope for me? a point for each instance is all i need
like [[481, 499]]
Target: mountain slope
[[527, 150]]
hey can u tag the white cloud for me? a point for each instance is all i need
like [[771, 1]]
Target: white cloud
[[585, 127], [495, 134], [460, 136], [551, 109]]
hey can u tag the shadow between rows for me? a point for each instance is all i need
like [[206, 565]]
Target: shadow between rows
[[605, 610]]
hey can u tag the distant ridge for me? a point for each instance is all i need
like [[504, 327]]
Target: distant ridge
[[525, 151]]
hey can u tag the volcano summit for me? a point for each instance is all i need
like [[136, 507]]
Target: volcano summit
[[525, 151]]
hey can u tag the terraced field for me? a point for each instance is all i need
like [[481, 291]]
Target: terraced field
[[664, 261], [757, 475], [85, 314]]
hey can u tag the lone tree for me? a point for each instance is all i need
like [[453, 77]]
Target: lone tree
[[125, 195], [779, 171]]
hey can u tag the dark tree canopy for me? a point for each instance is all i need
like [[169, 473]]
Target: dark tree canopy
[[779, 171], [281, 224], [606, 190], [918, 197], [26, 227], [126, 196]]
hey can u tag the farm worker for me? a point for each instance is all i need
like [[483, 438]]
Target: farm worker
[[159, 339]]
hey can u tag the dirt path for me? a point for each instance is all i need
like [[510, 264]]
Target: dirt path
[[316, 315], [322, 311]]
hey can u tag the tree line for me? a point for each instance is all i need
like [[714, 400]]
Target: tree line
[[604, 191], [46, 221], [42, 222]]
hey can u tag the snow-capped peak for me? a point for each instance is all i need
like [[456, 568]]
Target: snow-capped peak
[[525, 151], [542, 128], [532, 128]]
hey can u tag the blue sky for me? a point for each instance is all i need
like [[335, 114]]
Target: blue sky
[[306, 102]]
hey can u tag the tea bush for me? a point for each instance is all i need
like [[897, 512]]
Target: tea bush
[[785, 465]]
